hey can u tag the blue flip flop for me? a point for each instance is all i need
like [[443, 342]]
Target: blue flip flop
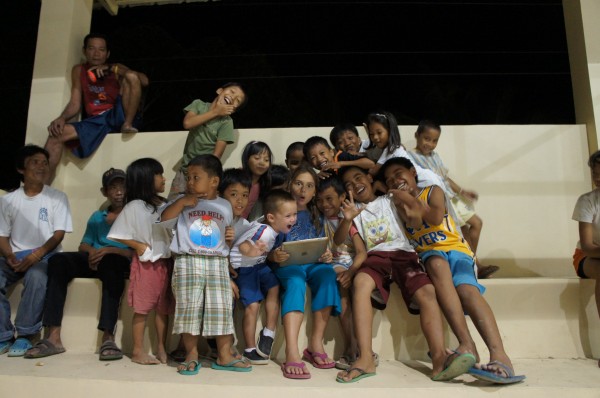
[[5, 346], [19, 347], [231, 366], [456, 364], [190, 372], [361, 375], [491, 377]]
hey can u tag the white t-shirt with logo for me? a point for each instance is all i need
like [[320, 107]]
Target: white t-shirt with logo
[[256, 232]]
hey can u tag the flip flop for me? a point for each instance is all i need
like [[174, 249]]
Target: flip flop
[[310, 357], [361, 375], [109, 345], [491, 377], [231, 366], [455, 365], [190, 372], [293, 375], [44, 349], [19, 347]]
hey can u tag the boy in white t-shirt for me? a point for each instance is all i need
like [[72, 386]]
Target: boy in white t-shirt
[[33, 223]]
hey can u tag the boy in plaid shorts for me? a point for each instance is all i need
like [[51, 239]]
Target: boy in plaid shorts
[[201, 281]]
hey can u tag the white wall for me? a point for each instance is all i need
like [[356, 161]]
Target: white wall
[[528, 178]]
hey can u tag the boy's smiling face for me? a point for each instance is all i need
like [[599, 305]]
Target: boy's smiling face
[[232, 95], [399, 177], [319, 155], [329, 202], [349, 142], [237, 194], [284, 218], [359, 184]]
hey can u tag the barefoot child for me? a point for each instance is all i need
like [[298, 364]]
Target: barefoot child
[[151, 265], [448, 259], [201, 275]]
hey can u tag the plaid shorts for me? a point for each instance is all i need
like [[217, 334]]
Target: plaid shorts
[[203, 296]]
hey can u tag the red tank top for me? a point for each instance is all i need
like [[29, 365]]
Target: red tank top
[[100, 96]]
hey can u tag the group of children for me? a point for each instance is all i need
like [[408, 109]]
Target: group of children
[[389, 216]]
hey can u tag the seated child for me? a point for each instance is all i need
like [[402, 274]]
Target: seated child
[[448, 259], [390, 258], [425, 156], [210, 128], [344, 137], [320, 277], [201, 281], [586, 258], [320, 156], [347, 259], [294, 156]]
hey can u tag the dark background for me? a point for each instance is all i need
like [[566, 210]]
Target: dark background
[[319, 63]]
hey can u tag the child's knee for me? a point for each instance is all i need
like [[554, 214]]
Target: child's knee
[[425, 295], [363, 282], [475, 222]]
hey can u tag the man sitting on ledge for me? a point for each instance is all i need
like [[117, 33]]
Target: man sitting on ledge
[[111, 96], [98, 257]]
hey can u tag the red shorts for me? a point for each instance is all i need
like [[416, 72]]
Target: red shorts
[[396, 266], [578, 258], [150, 286]]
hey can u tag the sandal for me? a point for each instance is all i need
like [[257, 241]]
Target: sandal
[[311, 356], [110, 345], [44, 349]]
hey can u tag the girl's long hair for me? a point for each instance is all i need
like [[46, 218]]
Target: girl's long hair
[[139, 182], [311, 206], [388, 121], [253, 148]]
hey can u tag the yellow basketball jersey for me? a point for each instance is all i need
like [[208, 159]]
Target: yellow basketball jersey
[[444, 237]]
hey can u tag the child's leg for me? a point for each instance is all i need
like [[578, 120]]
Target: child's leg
[[249, 324], [591, 269], [363, 325], [224, 355], [483, 318], [350, 345], [432, 326], [292, 321], [272, 307], [190, 342], [475, 225], [315, 344], [161, 322], [139, 355], [438, 270]]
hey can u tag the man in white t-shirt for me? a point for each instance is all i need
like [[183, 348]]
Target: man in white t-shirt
[[33, 223]]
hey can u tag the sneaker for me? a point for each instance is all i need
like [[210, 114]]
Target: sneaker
[[264, 345], [254, 358]]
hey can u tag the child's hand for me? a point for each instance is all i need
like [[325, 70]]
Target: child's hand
[[349, 209], [222, 109], [189, 200], [345, 278], [232, 272], [470, 195], [323, 175], [280, 255], [257, 248], [332, 166], [235, 289], [229, 235], [326, 257], [141, 249]]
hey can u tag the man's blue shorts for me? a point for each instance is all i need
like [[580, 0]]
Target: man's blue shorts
[[462, 267], [254, 283], [91, 131]]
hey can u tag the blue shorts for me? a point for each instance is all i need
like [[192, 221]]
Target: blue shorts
[[322, 280], [462, 267], [254, 283], [91, 131]]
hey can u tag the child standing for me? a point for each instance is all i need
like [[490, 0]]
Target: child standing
[[320, 277], [151, 265], [390, 258], [320, 156], [424, 155], [347, 259], [586, 258], [450, 264], [201, 276], [256, 162], [210, 128]]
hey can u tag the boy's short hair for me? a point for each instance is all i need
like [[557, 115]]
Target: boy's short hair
[[400, 161], [313, 142], [280, 175], [594, 159], [339, 129], [209, 163], [94, 35], [234, 176], [274, 199], [27, 151], [333, 182], [241, 87], [294, 146], [112, 174]]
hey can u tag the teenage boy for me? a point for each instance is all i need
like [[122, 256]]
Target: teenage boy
[[33, 223], [98, 257]]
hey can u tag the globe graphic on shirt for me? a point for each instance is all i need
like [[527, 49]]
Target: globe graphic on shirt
[[204, 232]]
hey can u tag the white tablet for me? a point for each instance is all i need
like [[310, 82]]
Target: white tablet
[[304, 251]]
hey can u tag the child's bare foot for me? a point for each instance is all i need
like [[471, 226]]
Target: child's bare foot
[[144, 359], [232, 358], [128, 128], [162, 356], [470, 348], [363, 365]]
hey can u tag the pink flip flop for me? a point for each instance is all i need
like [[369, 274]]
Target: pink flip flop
[[310, 357], [293, 375]]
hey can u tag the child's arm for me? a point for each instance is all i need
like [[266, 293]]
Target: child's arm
[[345, 278], [350, 211], [253, 249], [219, 148], [278, 255], [216, 109], [375, 169], [326, 257], [139, 247], [433, 214], [174, 209], [347, 159], [471, 195], [409, 208], [586, 239]]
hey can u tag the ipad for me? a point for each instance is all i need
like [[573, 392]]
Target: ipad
[[304, 251]]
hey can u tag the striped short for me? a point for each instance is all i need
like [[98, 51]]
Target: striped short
[[203, 296]]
